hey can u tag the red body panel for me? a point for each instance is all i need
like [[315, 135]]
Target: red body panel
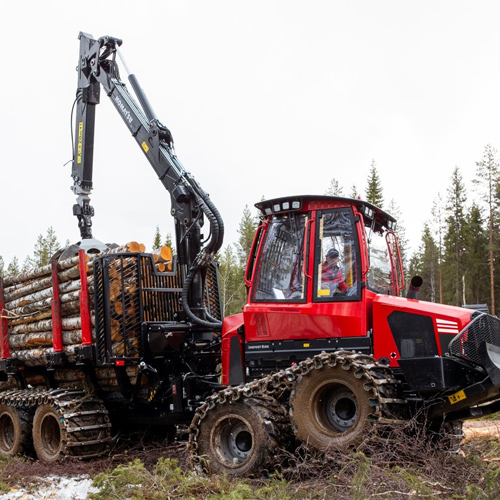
[[269, 321], [57, 340], [85, 301], [230, 326], [447, 320]]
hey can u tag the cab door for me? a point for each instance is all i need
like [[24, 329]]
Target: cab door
[[278, 301], [339, 307]]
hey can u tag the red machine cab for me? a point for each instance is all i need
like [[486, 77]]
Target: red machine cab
[[316, 265]]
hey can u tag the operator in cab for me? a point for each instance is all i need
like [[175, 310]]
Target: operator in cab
[[331, 277]]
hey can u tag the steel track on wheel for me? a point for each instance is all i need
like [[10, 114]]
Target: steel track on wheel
[[86, 428], [388, 408]]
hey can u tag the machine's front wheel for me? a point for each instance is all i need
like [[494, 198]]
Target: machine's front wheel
[[330, 408], [15, 430], [237, 438]]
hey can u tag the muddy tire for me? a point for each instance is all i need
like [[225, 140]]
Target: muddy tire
[[238, 438], [15, 431], [330, 408], [48, 434]]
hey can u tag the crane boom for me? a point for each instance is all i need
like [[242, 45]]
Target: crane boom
[[98, 68]]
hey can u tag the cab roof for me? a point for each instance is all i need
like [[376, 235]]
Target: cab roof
[[302, 203]]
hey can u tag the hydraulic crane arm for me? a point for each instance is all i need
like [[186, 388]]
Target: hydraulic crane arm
[[98, 68]]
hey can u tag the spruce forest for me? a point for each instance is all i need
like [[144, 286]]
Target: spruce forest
[[455, 257]]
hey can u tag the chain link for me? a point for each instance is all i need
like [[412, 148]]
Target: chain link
[[380, 382]]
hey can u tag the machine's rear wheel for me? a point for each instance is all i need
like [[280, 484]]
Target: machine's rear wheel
[[15, 430], [237, 438], [330, 408], [48, 432]]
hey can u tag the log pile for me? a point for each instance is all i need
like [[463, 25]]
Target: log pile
[[28, 307], [28, 301]]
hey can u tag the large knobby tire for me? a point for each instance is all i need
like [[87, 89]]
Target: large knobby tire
[[330, 408], [15, 431], [48, 434], [238, 438]]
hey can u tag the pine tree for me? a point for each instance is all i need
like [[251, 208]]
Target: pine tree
[[488, 177], [232, 265], [395, 211], [454, 241], [248, 225], [476, 265], [157, 240], [354, 192], [45, 248], [334, 189], [169, 242], [429, 262], [2, 264], [230, 282], [13, 268], [373, 190], [438, 226]]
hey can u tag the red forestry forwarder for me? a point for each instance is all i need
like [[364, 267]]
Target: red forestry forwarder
[[325, 352]]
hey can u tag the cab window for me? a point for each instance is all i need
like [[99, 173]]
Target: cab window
[[279, 273], [337, 263], [383, 276]]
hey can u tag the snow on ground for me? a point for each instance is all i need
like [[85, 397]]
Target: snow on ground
[[54, 488]]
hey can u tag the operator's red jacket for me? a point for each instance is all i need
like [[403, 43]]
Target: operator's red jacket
[[333, 277]]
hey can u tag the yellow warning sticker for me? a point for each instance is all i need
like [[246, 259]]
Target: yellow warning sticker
[[458, 396], [80, 143], [145, 146], [306, 345]]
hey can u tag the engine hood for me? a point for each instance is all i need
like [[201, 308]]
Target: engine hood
[[408, 328]]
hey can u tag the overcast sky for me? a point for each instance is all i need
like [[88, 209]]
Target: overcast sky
[[264, 98]]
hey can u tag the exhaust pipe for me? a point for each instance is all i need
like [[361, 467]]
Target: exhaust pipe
[[414, 288]]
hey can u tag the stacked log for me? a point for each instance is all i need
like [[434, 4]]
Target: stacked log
[[28, 301], [163, 259], [28, 307]]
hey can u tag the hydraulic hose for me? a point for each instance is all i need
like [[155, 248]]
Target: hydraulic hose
[[203, 259]]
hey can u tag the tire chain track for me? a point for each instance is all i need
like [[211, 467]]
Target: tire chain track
[[85, 419], [274, 391]]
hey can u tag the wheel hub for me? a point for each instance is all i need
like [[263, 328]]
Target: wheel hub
[[234, 441], [51, 434]]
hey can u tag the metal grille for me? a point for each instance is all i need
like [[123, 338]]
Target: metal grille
[[124, 303], [99, 312], [212, 292], [483, 328], [130, 291], [161, 292]]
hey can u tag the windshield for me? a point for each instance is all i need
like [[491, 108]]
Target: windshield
[[380, 276], [279, 273]]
